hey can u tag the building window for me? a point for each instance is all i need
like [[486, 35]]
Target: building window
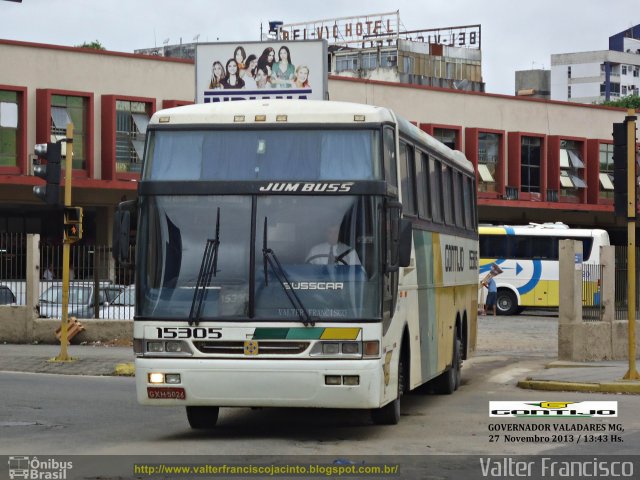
[[346, 62], [132, 119], [569, 71], [446, 136], [624, 69], [407, 64], [636, 71], [624, 89], [68, 109], [606, 170], [8, 128], [369, 60], [388, 59], [530, 160], [488, 153], [569, 91], [571, 169]]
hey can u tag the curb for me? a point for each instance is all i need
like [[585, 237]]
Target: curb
[[556, 386], [125, 370]]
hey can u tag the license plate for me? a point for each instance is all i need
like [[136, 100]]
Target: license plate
[[171, 393]]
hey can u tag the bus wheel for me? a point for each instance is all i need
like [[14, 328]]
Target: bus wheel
[[506, 302], [390, 413], [449, 381], [202, 418]]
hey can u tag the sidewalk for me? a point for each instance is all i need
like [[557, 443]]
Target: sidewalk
[[605, 377], [87, 359]]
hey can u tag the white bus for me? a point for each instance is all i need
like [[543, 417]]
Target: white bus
[[237, 303], [528, 257]]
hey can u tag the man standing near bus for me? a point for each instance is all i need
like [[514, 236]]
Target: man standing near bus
[[492, 295]]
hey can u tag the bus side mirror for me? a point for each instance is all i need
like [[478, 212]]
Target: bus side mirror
[[120, 242], [404, 247]]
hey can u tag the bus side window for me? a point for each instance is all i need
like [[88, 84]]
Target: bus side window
[[407, 179], [435, 177], [469, 204], [522, 248], [542, 248], [458, 197], [422, 180], [447, 195], [390, 167]]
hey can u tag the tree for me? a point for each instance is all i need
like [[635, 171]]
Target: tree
[[632, 101], [96, 45]]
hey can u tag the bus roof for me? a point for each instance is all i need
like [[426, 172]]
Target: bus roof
[[546, 230], [299, 112], [296, 111]]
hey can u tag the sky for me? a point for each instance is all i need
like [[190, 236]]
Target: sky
[[516, 34]]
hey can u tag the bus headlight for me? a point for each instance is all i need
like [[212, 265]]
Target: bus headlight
[[330, 348], [350, 348], [170, 347], [336, 349], [155, 347]]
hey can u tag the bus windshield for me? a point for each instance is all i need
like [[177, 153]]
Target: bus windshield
[[263, 155], [327, 253]]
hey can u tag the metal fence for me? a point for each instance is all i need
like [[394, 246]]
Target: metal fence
[[13, 266], [592, 293], [99, 287], [622, 263]]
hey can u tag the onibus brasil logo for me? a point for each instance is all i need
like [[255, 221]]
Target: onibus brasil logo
[[38, 469], [586, 409]]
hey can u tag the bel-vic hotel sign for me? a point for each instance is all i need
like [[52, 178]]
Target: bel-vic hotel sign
[[378, 29]]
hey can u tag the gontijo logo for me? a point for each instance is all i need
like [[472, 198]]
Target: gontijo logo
[[553, 409]]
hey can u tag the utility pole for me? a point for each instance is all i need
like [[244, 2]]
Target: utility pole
[[63, 356], [625, 200], [630, 120]]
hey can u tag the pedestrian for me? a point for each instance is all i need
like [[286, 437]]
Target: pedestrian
[[492, 295], [48, 273]]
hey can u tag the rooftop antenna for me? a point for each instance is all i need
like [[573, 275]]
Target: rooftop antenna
[[166, 41], [196, 38]]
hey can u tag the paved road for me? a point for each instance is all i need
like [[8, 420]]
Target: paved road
[[532, 333]]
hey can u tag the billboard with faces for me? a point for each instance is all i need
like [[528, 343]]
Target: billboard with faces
[[261, 70]]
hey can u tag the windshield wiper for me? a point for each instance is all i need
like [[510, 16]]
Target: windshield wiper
[[270, 258], [208, 269]]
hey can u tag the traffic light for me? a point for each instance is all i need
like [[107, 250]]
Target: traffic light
[[52, 153], [72, 224], [620, 193]]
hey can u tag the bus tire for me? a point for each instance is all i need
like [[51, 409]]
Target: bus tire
[[506, 302], [449, 381], [390, 413], [202, 418]]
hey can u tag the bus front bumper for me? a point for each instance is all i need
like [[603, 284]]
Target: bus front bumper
[[262, 383]]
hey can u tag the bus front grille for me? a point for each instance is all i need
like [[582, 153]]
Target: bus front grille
[[264, 348]]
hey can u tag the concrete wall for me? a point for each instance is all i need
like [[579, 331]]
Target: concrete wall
[[468, 109], [579, 340], [19, 324]]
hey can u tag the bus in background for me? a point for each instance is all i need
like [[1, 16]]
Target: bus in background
[[528, 257], [299, 254]]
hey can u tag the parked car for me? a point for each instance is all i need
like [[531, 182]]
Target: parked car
[[122, 307], [7, 297], [81, 299]]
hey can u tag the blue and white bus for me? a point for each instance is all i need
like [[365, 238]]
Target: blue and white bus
[[528, 258], [232, 307]]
